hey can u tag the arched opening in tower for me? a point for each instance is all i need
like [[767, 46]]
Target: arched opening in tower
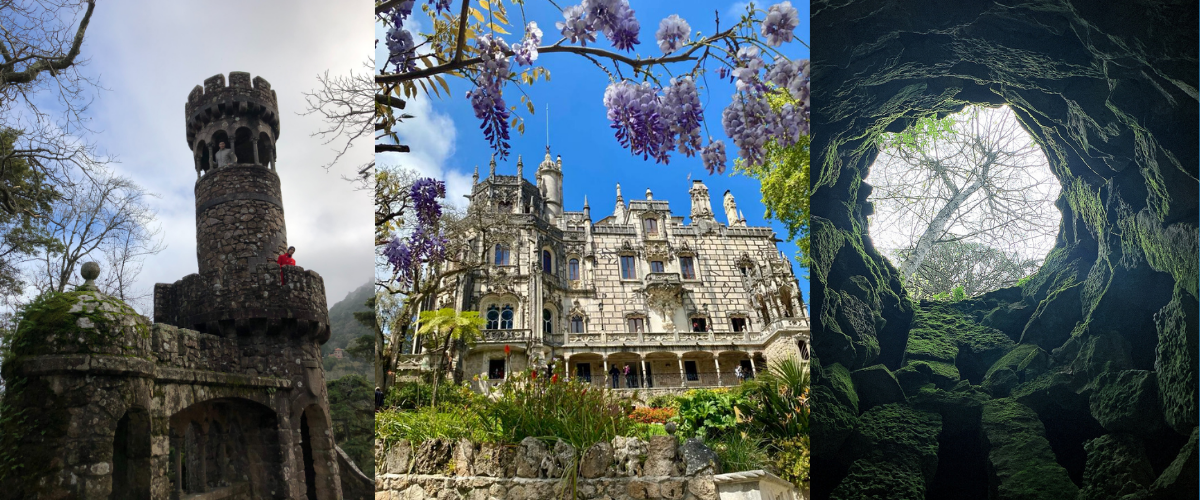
[[264, 149], [962, 205], [217, 138], [225, 445], [243, 145], [202, 155], [1079, 380], [317, 453], [131, 456]]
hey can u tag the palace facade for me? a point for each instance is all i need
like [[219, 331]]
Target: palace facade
[[635, 298]]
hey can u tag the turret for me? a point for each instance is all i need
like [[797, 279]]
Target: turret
[[550, 174], [619, 211], [701, 206], [732, 217]]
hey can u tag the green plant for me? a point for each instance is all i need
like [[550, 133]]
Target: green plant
[[645, 431], [791, 460], [777, 403], [446, 329], [741, 451], [707, 413], [416, 426], [580, 414], [408, 396], [663, 401]]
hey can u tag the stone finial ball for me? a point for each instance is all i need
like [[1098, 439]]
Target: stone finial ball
[[670, 428], [90, 271]]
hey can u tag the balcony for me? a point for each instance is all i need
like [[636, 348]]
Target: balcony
[[510, 335]]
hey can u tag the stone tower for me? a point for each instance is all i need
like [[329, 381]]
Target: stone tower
[[223, 396], [549, 174]]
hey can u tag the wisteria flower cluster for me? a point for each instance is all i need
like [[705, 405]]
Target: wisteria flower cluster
[[526, 52], [486, 99], [653, 125], [614, 18], [782, 20], [673, 33], [426, 244]]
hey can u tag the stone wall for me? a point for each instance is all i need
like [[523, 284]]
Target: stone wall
[[239, 218], [242, 96], [250, 303], [626, 468]]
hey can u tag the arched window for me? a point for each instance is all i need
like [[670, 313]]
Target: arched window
[[573, 269], [576, 324], [264, 149], [493, 317], [501, 255], [202, 155], [243, 146], [547, 262], [547, 322], [651, 226], [506, 318]]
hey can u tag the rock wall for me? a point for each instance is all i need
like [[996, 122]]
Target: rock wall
[[626, 468], [239, 218], [1081, 380]]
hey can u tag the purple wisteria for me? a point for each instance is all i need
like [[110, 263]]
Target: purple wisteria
[[526, 52], [614, 18], [635, 112], [402, 51], [486, 99], [426, 243], [782, 19], [681, 107], [713, 156], [673, 33]]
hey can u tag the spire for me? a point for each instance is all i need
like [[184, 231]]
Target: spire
[[520, 168], [492, 164], [701, 207], [587, 210], [475, 178], [619, 212], [649, 195], [732, 215]]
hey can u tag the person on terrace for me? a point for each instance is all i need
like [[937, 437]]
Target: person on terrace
[[285, 260]]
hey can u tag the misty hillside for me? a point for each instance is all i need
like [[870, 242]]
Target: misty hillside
[[343, 330]]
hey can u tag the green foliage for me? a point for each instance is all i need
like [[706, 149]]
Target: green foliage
[[344, 327], [921, 134], [777, 402], [663, 401], [645, 431], [409, 396], [741, 451], [351, 408], [791, 458], [707, 413], [416, 426], [784, 176], [580, 414], [49, 316]]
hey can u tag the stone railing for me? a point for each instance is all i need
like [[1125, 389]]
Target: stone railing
[[623, 469], [510, 335], [666, 338], [785, 324]]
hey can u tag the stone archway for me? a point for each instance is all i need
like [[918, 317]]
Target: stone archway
[[1103, 91], [317, 455], [131, 466], [226, 443]]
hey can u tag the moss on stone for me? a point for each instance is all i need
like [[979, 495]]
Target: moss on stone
[[842, 386], [1127, 401], [1176, 362], [1022, 465], [81, 322], [831, 422], [1026, 361], [1117, 468], [880, 477], [896, 433]]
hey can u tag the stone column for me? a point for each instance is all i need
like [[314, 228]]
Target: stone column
[[254, 144], [717, 365], [682, 375], [606, 382], [644, 384], [753, 366], [566, 367]]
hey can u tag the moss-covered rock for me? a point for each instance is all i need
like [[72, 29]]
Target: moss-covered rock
[[1099, 354], [892, 437], [1117, 469], [1127, 401], [875, 386], [880, 477], [831, 422], [1026, 361], [842, 386], [1021, 464], [961, 410], [1179, 478], [81, 322], [1176, 363]]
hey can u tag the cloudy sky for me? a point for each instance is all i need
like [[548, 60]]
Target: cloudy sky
[[149, 55], [446, 141]]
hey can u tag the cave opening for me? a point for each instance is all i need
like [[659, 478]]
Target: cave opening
[[1079, 379], [963, 205]]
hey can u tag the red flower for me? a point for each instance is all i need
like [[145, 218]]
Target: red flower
[[554, 378], [507, 349], [533, 374]]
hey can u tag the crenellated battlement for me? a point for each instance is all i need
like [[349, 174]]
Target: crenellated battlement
[[244, 114]]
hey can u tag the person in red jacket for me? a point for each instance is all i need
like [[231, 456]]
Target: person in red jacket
[[285, 260]]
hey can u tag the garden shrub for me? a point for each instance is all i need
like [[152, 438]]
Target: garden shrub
[[740, 451], [577, 413], [647, 415], [663, 401], [444, 421], [707, 413]]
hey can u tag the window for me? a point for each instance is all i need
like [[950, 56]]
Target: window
[[739, 324], [547, 262], [687, 268], [637, 325], [690, 368], [573, 269], [496, 368], [584, 372], [506, 318], [699, 325], [628, 271], [656, 266], [547, 322], [745, 269], [493, 317], [576, 324], [501, 255], [651, 227]]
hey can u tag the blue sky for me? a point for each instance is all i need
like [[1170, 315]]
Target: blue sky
[[446, 140]]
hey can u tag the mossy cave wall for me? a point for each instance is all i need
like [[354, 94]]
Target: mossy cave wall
[[1081, 382]]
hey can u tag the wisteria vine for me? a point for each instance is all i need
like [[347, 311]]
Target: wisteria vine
[[426, 244], [650, 119]]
